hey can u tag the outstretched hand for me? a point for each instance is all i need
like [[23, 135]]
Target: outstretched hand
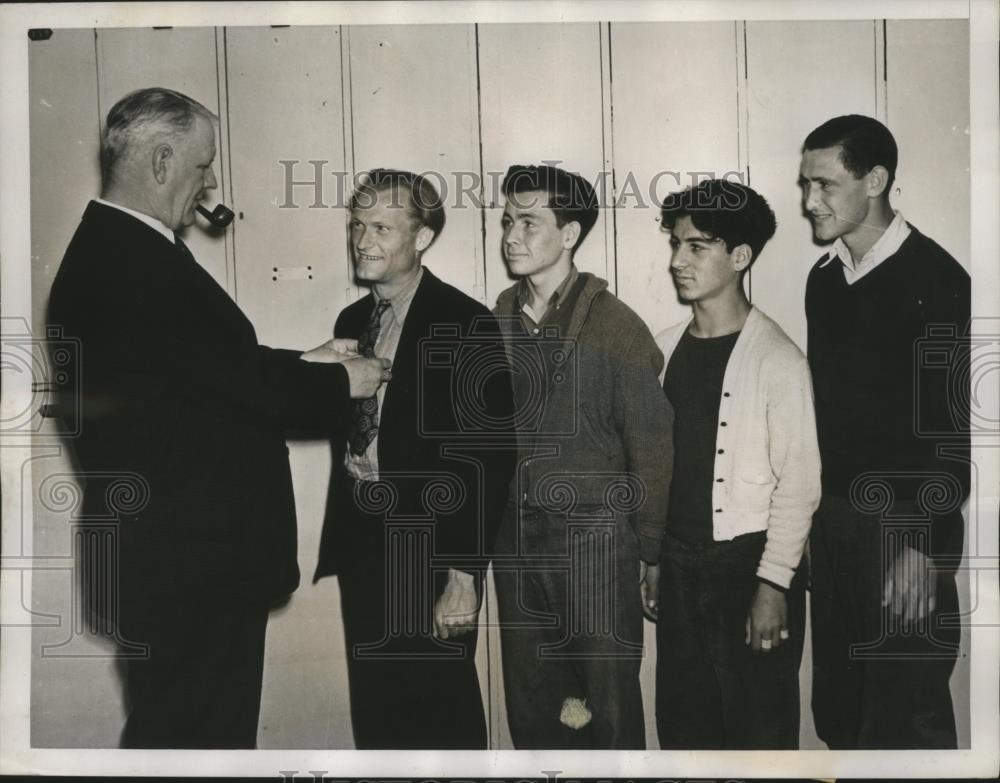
[[333, 351], [364, 375]]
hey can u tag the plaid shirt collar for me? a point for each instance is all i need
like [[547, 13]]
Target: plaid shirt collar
[[524, 295]]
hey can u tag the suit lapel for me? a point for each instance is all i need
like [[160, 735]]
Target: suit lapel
[[353, 320]]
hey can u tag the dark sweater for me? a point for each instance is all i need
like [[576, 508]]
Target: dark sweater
[[597, 431], [693, 384], [886, 355]]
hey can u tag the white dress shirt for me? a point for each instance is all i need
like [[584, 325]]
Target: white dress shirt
[[893, 236], [365, 467]]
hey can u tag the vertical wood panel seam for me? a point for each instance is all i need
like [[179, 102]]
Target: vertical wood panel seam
[[482, 173], [99, 56], [739, 96], [97, 86], [348, 98], [881, 63], [492, 727], [885, 47], [347, 133], [608, 156], [492, 730], [231, 243], [226, 161], [743, 114], [746, 102]]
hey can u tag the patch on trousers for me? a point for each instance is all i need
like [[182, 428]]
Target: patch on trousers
[[575, 713]]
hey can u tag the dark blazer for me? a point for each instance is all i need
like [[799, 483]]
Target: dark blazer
[[450, 389], [176, 396]]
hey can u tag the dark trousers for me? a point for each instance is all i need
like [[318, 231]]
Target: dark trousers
[[876, 684], [571, 629], [200, 685], [712, 691], [409, 691]]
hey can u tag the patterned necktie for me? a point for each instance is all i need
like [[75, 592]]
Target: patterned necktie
[[364, 428]]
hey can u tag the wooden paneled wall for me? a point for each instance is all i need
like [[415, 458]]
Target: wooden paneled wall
[[641, 109]]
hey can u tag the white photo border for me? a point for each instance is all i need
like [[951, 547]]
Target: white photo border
[[16, 755]]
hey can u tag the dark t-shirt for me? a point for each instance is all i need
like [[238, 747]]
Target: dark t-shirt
[[693, 384]]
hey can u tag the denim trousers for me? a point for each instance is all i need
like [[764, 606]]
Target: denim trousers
[[571, 630], [712, 691]]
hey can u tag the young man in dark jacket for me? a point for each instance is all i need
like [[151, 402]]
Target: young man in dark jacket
[[419, 483], [589, 499]]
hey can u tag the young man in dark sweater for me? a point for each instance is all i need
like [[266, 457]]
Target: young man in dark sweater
[[893, 434], [585, 518]]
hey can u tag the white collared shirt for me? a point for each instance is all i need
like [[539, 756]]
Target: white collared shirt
[[149, 220], [365, 467], [893, 236]]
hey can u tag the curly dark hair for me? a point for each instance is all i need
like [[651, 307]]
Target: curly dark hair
[[724, 210]]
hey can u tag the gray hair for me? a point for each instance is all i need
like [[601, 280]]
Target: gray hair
[[140, 113]]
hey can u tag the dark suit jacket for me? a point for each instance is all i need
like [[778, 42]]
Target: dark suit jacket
[[177, 396], [450, 389]]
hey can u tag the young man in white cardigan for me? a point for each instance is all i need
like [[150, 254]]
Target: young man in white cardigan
[[729, 603]]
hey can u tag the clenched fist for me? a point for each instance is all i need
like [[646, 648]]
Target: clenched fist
[[366, 375]]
